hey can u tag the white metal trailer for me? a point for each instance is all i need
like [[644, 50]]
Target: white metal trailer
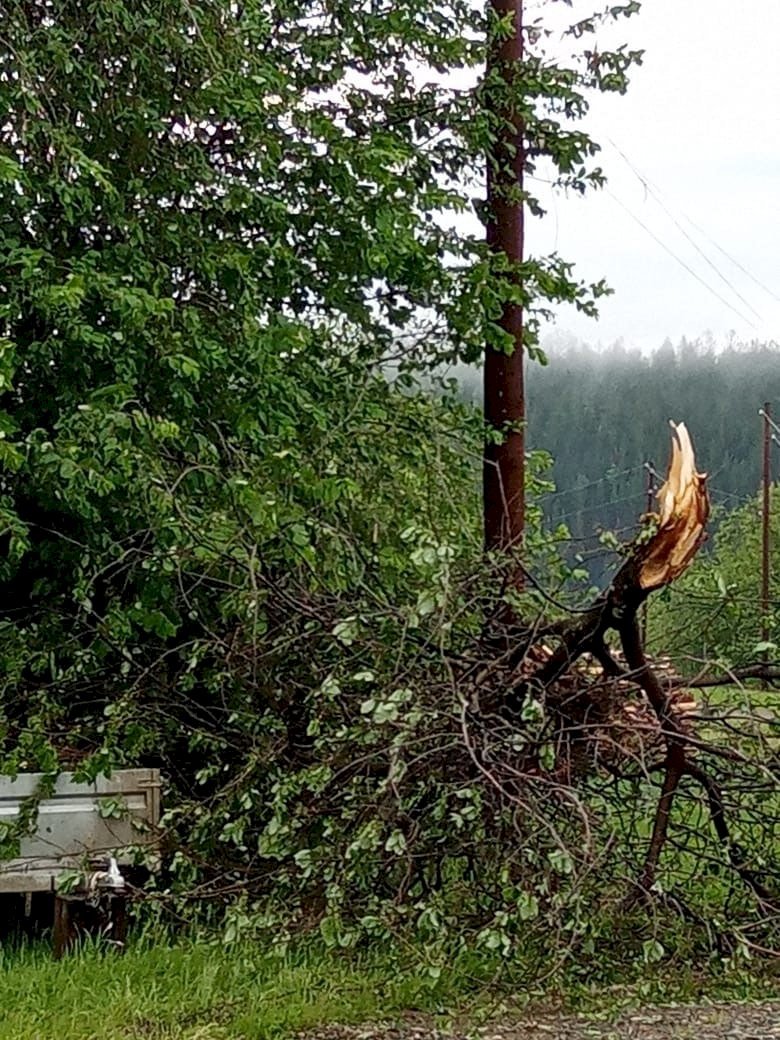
[[95, 829]]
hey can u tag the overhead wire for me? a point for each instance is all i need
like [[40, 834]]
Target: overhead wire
[[734, 261], [592, 483], [730, 494], [655, 193], [680, 261], [633, 497], [601, 505]]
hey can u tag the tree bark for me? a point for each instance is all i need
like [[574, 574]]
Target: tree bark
[[504, 392]]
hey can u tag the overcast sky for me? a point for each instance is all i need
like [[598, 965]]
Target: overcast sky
[[701, 123]]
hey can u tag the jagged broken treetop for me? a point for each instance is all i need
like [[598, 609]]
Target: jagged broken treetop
[[684, 507]]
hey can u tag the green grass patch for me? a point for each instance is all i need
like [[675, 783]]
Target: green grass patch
[[203, 992]]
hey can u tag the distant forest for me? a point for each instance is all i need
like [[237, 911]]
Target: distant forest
[[602, 414]]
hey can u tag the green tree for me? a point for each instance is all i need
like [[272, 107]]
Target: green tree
[[215, 218], [234, 546]]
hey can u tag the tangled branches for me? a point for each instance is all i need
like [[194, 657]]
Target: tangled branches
[[364, 761], [587, 707]]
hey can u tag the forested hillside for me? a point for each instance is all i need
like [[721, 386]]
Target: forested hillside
[[602, 414]]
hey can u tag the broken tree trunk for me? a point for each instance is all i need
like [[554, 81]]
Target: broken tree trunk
[[598, 711], [684, 511], [661, 553]]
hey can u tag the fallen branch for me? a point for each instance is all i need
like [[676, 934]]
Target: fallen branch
[[768, 672], [661, 554], [719, 822]]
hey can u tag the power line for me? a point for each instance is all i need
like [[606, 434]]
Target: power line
[[715, 599], [681, 262], [593, 483], [730, 494], [635, 496], [655, 194], [601, 505], [734, 261]]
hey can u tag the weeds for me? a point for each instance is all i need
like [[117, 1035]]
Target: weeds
[[205, 992]]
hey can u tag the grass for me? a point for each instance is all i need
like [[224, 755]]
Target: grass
[[202, 992], [205, 992], [172, 993]]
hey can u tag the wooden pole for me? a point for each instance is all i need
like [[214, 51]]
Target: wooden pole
[[504, 459], [650, 486], [765, 518], [650, 492]]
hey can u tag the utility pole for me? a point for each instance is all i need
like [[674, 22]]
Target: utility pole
[[765, 516], [650, 492], [649, 486], [504, 391]]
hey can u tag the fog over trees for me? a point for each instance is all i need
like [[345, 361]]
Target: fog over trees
[[602, 414]]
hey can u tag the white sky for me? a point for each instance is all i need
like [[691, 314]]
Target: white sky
[[701, 122]]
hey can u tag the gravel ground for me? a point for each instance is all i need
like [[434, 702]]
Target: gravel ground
[[712, 1022]]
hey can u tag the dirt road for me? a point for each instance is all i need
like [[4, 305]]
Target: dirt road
[[711, 1022]]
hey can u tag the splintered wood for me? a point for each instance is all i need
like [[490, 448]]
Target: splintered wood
[[610, 709], [684, 509]]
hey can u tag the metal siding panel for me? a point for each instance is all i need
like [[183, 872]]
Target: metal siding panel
[[70, 827]]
